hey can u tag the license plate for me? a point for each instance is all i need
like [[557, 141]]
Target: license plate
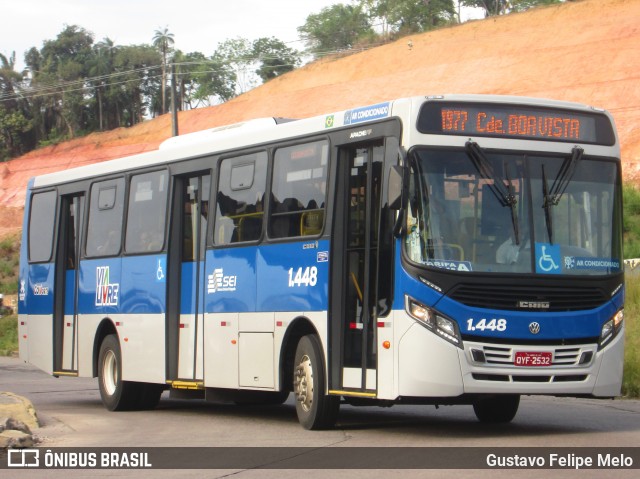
[[532, 359]]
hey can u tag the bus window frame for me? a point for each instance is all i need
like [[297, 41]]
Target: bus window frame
[[215, 188], [327, 194], [87, 219], [167, 210], [54, 229]]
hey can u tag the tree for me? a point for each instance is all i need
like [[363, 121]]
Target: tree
[[410, 16], [13, 124], [135, 92], [13, 108], [100, 68], [63, 68], [203, 80], [522, 5], [501, 7], [237, 55], [491, 7], [163, 41], [336, 28], [275, 58]]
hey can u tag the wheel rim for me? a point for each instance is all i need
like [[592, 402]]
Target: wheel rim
[[303, 386], [110, 372]]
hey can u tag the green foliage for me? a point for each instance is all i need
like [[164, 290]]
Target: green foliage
[[8, 335], [336, 28], [501, 7], [9, 262], [12, 125], [275, 58], [408, 16], [631, 218], [631, 378]]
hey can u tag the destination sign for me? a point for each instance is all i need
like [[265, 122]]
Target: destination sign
[[511, 121]]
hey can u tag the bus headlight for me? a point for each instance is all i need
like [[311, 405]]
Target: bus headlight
[[611, 328], [435, 322]]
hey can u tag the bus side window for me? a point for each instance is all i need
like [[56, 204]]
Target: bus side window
[[41, 226], [298, 192], [240, 199], [104, 231], [146, 212]]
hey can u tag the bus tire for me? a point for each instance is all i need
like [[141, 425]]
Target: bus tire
[[148, 396], [314, 408], [497, 409], [116, 394]]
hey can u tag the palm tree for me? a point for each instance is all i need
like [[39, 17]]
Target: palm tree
[[163, 40]]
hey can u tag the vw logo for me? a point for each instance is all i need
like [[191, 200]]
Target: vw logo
[[534, 328]]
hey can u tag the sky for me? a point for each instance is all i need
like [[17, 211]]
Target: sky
[[197, 25]]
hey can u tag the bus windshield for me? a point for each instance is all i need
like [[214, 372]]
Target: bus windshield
[[485, 211]]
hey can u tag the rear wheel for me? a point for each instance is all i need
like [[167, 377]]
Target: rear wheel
[[148, 395], [315, 410], [497, 409], [119, 395]]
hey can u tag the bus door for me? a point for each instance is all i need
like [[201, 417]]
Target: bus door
[[354, 282], [65, 320], [186, 282]]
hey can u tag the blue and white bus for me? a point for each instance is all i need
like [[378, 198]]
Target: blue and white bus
[[430, 250]]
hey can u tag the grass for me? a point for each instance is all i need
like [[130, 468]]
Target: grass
[[8, 335], [9, 263], [631, 378]]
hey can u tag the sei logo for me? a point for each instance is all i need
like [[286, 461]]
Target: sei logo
[[303, 276], [218, 281]]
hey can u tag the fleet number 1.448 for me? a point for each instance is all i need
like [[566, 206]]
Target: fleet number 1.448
[[486, 325], [303, 276]]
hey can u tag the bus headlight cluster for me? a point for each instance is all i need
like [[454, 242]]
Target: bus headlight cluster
[[611, 328], [435, 322]]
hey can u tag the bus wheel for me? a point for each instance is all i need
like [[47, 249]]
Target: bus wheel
[[315, 409], [497, 409], [116, 394], [148, 396]]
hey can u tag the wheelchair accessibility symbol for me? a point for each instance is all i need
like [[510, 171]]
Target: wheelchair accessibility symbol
[[548, 258], [160, 271]]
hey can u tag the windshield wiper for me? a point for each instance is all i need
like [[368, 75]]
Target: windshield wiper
[[551, 197], [504, 194], [565, 174], [546, 204]]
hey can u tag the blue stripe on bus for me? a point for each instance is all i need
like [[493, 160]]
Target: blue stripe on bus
[[278, 277], [553, 326]]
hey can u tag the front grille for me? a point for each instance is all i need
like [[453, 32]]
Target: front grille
[[509, 297], [530, 379]]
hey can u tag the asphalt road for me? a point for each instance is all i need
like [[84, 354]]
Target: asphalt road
[[71, 415]]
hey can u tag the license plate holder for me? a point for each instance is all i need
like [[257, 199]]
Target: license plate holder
[[533, 358]]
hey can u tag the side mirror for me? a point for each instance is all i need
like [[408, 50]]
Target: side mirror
[[394, 192]]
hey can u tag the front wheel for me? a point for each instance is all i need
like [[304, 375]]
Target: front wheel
[[315, 410], [497, 409]]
